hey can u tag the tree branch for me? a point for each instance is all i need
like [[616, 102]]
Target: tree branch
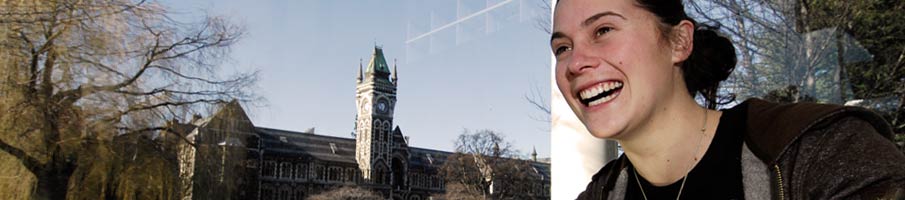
[[30, 163]]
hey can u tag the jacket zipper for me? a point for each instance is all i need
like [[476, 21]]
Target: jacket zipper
[[779, 180]]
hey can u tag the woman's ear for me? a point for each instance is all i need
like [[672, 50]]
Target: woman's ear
[[683, 41]]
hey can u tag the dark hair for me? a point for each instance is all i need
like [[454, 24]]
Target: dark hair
[[712, 58]]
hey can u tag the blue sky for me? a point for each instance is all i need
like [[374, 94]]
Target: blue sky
[[462, 64]]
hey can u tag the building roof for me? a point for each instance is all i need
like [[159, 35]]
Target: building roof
[[378, 63], [321, 147], [427, 158]]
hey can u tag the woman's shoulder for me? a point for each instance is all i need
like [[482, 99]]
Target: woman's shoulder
[[772, 127], [845, 159], [827, 151]]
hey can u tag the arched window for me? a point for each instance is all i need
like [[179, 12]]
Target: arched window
[[300, 171], [319, 172], [285, 169], [270, 168], [387, 128], [331, 173], [380, 128]]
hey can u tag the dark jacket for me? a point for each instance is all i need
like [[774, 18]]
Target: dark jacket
[[801, 151]]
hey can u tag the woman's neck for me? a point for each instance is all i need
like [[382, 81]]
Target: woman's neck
[[665, 148]]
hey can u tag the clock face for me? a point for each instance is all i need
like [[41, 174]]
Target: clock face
[[382, 106]]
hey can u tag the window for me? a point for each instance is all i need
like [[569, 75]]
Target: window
[[285, 193], [270, 168], [319, 172], [300, 171], [350, 175], [380, 134], [285, 170], [331, 175]]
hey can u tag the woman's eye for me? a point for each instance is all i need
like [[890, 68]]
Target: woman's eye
[[561, 50], [603, 30]]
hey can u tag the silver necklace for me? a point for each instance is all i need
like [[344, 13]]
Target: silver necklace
[[694, 157]]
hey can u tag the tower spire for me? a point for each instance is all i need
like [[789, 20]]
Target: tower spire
[[359, 70], [395, 73], [378, 66], [534, 154]]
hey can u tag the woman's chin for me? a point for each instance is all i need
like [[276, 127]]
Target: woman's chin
[[608, 132]]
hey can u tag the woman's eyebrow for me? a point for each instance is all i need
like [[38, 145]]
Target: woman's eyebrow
[[556, 35], [594, 17]]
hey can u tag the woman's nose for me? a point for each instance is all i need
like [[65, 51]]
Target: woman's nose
[[582, 60]]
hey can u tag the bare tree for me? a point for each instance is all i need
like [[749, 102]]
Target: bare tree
[[486, 166], [543, 22], [539, 100], [80, 73]]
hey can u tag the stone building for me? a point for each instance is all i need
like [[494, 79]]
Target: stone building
[[233, 159]]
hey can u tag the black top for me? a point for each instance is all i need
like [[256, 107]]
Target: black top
[[717, 176]]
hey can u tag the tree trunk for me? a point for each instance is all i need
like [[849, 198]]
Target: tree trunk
[[53, 178]]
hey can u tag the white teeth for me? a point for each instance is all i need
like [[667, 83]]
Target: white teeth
[[601, 100], [597, 89]]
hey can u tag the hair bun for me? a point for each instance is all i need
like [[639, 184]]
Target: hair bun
[[712, 60]]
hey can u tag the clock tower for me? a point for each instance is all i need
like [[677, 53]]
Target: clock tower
[[375, 99]]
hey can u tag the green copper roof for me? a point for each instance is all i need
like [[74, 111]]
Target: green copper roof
[[378, 63]]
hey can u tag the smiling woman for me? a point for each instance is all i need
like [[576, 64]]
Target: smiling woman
[[630, 71]]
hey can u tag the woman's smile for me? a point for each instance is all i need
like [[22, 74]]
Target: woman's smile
[[599, 93]]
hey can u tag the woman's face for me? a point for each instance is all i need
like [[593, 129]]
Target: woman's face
[[612, 66]]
